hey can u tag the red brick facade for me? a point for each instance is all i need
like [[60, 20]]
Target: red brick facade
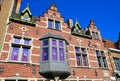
[[30, 71]]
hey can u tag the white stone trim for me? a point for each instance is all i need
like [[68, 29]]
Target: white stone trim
[[112, 49]]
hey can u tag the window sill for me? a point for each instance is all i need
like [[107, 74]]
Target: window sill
[[87, 67], [54, 29], [20, 62], [104, 68]]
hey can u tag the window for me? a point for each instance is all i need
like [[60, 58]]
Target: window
[[101, 59], [57, 49], [81, 56], [25, 17], [54, 24], [95, 35], [20, 50], [117, 63]]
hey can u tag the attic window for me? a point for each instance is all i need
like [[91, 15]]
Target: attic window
[[25, 17]]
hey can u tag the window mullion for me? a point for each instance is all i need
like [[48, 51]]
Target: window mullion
[[58, 55], [20, 54], [50, 49]]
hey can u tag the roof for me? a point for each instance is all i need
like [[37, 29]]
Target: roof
[[110, 44]]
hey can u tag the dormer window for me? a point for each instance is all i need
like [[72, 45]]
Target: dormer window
[[25, 17], [95, 35], [53, 24]]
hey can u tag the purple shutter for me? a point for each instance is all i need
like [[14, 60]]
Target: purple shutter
[[78, 58], [54, 53], [45, 54], [17, 40], [15, 51], [61, 52], [25, 54], [26, 41], [60, 43], [45, 42]]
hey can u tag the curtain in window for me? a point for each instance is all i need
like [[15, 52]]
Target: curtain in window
[[61, 52], [54, 53], [25, 54], [78, 57], [15, 51], [45, 54]]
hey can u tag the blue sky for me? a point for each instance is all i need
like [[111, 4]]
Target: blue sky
[[105, 13]]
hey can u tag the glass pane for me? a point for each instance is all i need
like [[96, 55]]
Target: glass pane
[[60, 43], [50, 23], [15, 51], [16, 40], [26, 41], [104, 62], [54, 53], [85, 60], [61, 52], [45, 54], [25, 54], [97, 52], [57, 25], [54, 42], [78, 58], [83, 51], [99, 61], [45, 42], [77, 49], [102, 53]]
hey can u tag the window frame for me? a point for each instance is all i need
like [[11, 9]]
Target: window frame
[[81, 56], [116, 66], [54, 24], [50, 46], [21, 46], [103, 64], [95, 35]]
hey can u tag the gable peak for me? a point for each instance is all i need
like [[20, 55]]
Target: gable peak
[[53, 7], [27, 9]]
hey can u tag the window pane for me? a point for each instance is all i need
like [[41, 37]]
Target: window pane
[[45, 54], [54, 42], [77, 49], [78, 58], [26, 41], [97, 52], [85, 60], [25, 54], [50, 23], [104, 62], [15, 51], [61, 52], [102, 53], [54, 53], [57, 25], [45, 42], [99, 61], [83, 51], [60, 43], [97, 36], [117, 63], [16, 40]]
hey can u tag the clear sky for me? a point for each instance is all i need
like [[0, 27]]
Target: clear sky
[[105, 13]]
